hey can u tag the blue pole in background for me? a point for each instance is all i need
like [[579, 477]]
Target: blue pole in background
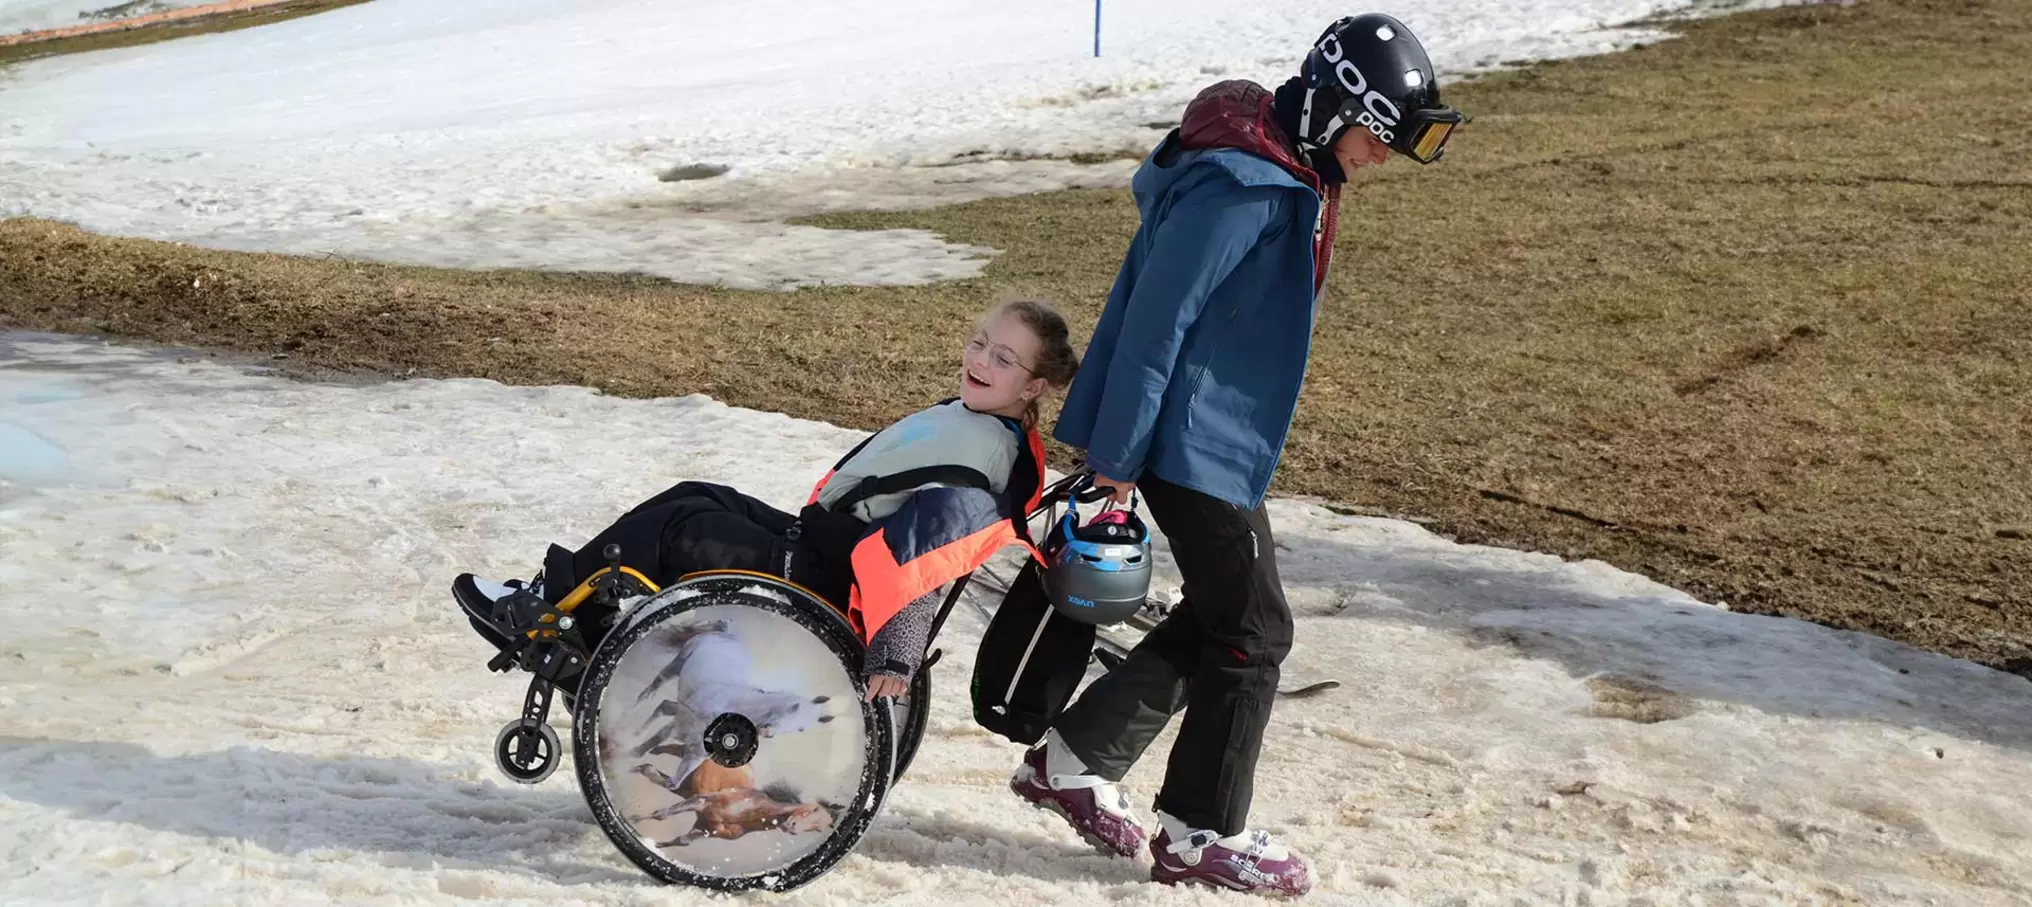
[[1097, 28]]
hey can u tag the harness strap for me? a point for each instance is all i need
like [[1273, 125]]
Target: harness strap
[[943, 474], [945, 610]]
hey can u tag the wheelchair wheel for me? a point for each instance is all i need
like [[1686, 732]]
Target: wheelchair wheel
[[917, 713], [721, 738]]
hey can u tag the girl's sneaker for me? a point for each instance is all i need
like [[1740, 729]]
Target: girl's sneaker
[[1249, 861], [499, 611]]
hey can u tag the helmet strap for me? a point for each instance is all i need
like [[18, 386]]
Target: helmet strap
[[1296, 115], [1305, 123], [1327, 166], [1292, 109]]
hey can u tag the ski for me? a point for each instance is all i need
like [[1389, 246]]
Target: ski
[[1110, 650], [1311, 689]]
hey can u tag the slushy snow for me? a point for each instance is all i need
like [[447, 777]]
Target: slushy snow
[[233, 675], [533, 133]]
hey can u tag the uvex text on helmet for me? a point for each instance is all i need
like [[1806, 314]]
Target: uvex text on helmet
[[1098, 573], [1370, 72]]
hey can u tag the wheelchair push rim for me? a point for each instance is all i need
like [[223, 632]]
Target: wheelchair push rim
[[721, 739]]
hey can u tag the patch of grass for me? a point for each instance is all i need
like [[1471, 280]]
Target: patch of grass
[[689, 172], [1745, 312], [169, 31], [1085, 158], [124, 10]]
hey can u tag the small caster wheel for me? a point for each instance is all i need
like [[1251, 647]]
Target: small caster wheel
[[526, 751]]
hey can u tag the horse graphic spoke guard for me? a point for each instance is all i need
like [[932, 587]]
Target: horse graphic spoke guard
[[721, 737]]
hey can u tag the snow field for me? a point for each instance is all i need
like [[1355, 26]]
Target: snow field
[[233, 676], [530, 133]]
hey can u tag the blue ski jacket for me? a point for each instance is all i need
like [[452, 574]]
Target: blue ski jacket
[[1194, 369]]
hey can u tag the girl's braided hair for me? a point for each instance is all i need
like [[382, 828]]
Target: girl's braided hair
[[1057, 361]]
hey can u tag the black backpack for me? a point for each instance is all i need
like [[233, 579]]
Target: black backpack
[[1031, 660]]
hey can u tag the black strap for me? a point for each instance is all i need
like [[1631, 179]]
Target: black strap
[[857, 449], [944, 474], [558, 580], [945, 611]]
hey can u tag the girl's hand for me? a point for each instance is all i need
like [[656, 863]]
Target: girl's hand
[[886, 686]]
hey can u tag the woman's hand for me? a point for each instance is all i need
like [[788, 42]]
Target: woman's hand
[[886, 686], [1122, 489]]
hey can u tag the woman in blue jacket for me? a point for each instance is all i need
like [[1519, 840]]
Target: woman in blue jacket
[[1187, 392]]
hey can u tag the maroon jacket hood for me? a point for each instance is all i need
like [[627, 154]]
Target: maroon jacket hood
[[1238, 114], [1241, 114]]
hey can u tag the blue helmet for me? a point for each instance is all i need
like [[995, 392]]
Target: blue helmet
[[1098, 573]]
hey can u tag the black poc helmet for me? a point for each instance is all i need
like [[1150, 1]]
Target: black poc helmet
[[1098, 573], [1370, 71]]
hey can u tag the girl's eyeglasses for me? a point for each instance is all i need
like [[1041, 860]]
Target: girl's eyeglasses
[[1003, 358]]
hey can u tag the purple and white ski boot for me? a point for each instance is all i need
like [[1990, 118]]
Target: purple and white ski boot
[[1096, 808], [1248, 862]]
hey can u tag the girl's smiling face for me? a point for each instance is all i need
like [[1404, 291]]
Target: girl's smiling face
[[995, 370]]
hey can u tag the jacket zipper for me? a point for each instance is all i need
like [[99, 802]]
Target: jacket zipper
[[1199, 380]]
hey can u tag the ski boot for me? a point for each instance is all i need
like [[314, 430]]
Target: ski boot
[[1249, 862], [552, 639], [1096, 808]]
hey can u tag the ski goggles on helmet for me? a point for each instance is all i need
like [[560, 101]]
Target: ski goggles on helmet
[[1422, 135]]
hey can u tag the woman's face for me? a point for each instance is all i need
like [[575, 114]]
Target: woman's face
[[1360, 148]]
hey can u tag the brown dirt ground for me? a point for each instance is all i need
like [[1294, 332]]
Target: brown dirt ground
[[1746, 312]]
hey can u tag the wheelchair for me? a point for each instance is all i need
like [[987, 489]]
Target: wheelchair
[[719, 731]]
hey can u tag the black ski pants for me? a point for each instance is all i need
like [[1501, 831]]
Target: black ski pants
[[1216, 657], [692, 526]]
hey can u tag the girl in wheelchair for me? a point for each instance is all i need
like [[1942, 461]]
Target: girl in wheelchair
[[919, 504]]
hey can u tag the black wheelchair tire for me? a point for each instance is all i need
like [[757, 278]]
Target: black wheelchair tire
[[814, 616], [916, 717]]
